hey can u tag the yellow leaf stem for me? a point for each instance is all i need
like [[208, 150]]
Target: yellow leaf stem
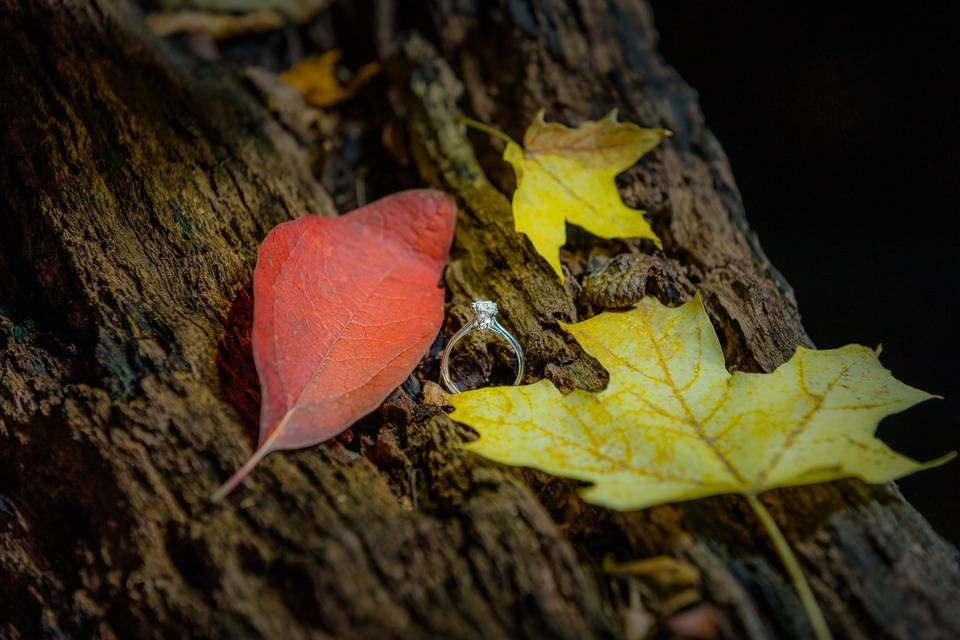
[[792, 565], [487, 129]]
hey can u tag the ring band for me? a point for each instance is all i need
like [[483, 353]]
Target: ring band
[[484, 319]]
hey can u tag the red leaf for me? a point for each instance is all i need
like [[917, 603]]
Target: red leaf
[[344, 309]]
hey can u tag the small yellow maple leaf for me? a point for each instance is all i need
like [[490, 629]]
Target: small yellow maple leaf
[[566, 174], [316, 78], [673, 424]]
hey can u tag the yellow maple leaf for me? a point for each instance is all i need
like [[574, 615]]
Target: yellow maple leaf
[[673, 424], [568, 174], [316, 78]]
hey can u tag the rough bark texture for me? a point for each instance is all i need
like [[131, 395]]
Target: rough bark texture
[[137, 183]]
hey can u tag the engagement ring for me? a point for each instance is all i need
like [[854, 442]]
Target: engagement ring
[[484, 319]]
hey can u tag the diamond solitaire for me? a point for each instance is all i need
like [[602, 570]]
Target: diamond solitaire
[[484, 313]]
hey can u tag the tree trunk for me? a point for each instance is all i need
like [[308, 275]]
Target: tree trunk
[[137, 184]]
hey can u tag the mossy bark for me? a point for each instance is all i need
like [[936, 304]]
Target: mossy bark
[[137, 184]]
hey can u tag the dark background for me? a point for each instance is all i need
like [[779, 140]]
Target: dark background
[[841, 124]]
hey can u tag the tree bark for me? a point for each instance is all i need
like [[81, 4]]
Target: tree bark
[[137, 184]]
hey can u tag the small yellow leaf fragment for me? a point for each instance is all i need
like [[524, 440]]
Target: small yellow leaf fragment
[[668, 583], [219, 26], [316, 78], [433, 394], [568, 175], [673, 424], [298, 11]]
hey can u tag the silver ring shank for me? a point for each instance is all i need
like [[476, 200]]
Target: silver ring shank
[[496, 328]]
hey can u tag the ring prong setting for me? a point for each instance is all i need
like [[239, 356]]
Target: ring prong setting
[[484, 313]]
